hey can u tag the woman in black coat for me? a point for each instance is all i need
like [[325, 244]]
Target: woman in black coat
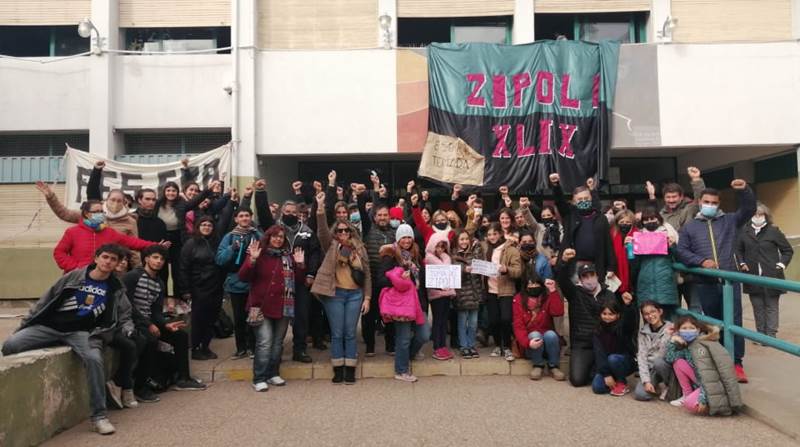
[[201, 281], [762, 249]]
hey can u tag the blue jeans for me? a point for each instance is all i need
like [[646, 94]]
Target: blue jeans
[[269, 348], [467, 327], [620, 365], [409, 337], [343, 310], [709, 295], [551, 347]]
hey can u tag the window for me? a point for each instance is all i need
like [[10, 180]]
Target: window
[[41, 41], [420, 32], [177, 39], [174, 143], [38, 145], [624, 27]]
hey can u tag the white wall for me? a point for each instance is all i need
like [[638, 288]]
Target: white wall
[[327, 102], [44, 96], [180, 91], [729, 94]]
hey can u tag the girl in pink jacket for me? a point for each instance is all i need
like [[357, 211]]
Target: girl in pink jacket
[[437, 253]]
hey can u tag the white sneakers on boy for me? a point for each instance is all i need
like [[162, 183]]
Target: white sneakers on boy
[[103, 426], [261, 387], [277, 381]]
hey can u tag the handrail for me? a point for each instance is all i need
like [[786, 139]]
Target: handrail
[[727, 325]]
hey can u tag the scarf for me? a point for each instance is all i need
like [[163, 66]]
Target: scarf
[[288, 279], [111, 215]]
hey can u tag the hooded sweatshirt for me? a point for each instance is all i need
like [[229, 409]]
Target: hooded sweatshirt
[[444, 259]]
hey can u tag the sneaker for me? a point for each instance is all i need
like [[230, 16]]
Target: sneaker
[[474, 352], [146, 395], [209, 353], [369, 353], [115, 393], [277, 381], [301, 357], [447, 353], [239, 354], [128, 399], [440, 354], [103, 426], [509, 355], [677, 402], [420, 356], [740, 375], [620, 389], [557, 374], [496, 352], [406, 377], [260, 387], [465, 353], [536, 373], [199, 354], [190, 384], [319, 345], [251, 354]]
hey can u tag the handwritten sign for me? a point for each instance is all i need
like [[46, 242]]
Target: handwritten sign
[[484, 268], [443, 276]]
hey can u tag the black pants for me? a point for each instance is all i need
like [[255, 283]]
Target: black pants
[[454, 328], [581, 363], [127, 359], [205, 311], [307, 319], [241, 330], [441, 312], [369, 322], [500, 316]]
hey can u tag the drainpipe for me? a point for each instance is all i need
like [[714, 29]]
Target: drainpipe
[[235, 91]]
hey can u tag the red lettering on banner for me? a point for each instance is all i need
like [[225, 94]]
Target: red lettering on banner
[[499, 91], [566, 101], [522, 150], [521, 82], [501, 133], [596, 91], [473, 99], [542, 95], [544, 137], [567, 132]]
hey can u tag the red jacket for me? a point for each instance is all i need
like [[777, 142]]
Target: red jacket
[[553, 306], [266, 283], [623, 269], [426, 229], [78, 244]]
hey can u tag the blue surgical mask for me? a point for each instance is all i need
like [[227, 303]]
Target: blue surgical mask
[[584, 205], [708, 210], [394, 223], [355, 217], [689, 334], [95, 220]]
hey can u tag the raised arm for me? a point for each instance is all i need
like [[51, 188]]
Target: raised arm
[[323, 231], [265, 219], [62, 212], [747, 202], [94, 190]]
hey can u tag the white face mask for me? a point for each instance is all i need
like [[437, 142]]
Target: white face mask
[[758, 220]]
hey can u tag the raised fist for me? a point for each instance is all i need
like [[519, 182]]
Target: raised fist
[[296, 186], [414, 199], [550, 284], [321, 198], [317, 185], [627, 298], [568, 254], [504, 190], [650, 188], [738, 184], [185, 162], [332, 178], [260, 184], [554, 178], [425, 196], [524, 202], [100, 164], [693, 172], [410, 186]]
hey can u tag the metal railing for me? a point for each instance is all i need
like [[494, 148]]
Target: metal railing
[[727, 325]]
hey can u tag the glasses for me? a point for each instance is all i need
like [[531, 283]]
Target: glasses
[[342, 230]]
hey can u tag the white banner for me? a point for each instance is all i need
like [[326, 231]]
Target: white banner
[[131, 177], [485, 268], [443, 276]]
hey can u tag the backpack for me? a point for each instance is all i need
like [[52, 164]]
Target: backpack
[[223, 327]]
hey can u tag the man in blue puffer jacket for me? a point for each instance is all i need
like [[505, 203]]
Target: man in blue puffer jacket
[[709, 241]]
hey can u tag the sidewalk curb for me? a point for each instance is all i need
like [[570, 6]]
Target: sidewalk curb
[[790, 431]]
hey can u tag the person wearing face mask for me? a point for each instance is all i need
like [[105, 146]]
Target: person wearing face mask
[[531, 258], [762, 249], [652, 276], [77, 246], [439, 224], [586, 230], [550, 233], [535, 308], [703, 369], [585, 300], [382, 232], [709, 241], [622, 229]]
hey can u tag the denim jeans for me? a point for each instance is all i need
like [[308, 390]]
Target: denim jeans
[[660, 372], [88, 349], [467, 327], [343, 310], [269, 348], [551, 347], [710, 296], [620, 365], [409, 339]]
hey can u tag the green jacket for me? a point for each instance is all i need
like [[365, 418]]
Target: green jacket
[[654, 279]]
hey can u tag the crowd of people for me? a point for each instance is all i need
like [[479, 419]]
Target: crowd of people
[[337, 255]]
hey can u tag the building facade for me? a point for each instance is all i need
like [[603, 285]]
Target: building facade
[[301, 87]]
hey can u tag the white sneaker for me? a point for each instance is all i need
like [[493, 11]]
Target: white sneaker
[[103, 426], [509, 355], [114, 392], [260, 387], [128, 399], [677, 402], [277, 381], [406, 377], [420, 356], [496, 352]]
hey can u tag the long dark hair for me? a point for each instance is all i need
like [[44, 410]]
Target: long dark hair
[[212, 239], [162, 198]]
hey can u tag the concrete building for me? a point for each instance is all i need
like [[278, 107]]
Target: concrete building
[[311, 85]]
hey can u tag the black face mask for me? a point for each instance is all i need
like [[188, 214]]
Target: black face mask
[[289, 220], [625, 228], [440, 226], [651, 226], [528, 247], [535, 291], [549, 221]]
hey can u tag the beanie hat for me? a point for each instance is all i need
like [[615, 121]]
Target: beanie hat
[[403, 230], [396, 213]]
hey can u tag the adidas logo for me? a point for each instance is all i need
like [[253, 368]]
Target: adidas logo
[[94, 290]]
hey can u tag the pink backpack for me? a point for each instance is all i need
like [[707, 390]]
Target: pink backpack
[[399, 302]]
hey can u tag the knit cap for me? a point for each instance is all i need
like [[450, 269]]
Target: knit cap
[[404, 230]]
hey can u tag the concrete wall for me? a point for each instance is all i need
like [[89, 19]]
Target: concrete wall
[[27, 272]]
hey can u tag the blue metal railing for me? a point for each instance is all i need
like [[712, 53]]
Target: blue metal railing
[[30, 169], [727, 325]]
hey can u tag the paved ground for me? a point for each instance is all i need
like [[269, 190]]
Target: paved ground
[[459, 411]]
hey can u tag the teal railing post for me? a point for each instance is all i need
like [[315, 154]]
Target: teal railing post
[[727, 316]]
